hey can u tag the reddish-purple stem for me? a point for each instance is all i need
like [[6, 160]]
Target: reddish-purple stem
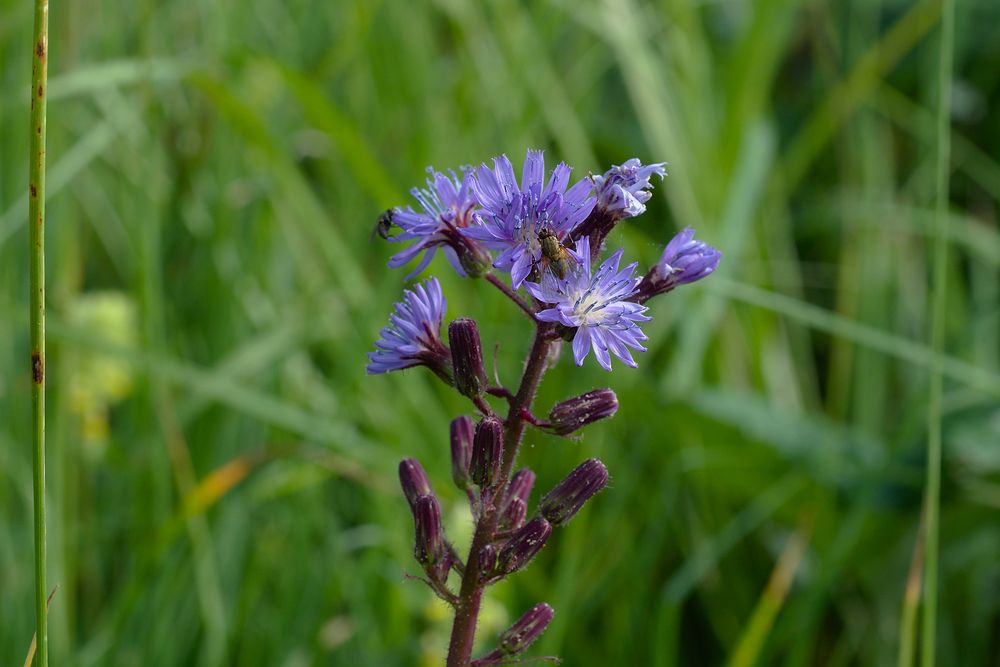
[[471, 594], [512, 295]]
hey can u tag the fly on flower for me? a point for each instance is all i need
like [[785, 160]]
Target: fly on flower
[[383, 226], [596, 305], [555, 256]]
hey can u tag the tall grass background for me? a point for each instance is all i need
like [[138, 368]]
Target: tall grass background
[[221, 471]]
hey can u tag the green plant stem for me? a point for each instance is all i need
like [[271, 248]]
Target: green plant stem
[[463, 631], [938, 304], [36, 254]]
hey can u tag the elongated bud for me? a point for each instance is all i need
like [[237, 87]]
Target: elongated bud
[[520, 486], [514, 514], [561, 503], [522, 547], [487, 452], [526, 629], [414, 481], [514, 507], [488, 559], [462, 429], [429, 544], [575, 413], [467, 357]]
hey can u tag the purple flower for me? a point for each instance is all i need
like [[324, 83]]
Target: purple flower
[[624, 189], [511, 217], [597, 306], [413, 335], [683, 261], [447, 205]]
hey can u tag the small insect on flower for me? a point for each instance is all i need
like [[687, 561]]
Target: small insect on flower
[[555, 256], [383, 226]]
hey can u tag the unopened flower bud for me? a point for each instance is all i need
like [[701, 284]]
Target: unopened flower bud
[[523, 545], [414, 481], [526, 629], [512, 513], [467, 357], [577, 412], [561, 503], [487, 452], [462, 429], [474, 258], [429, 544], [488, 559]]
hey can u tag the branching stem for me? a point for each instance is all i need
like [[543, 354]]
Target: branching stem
[[471, 594]]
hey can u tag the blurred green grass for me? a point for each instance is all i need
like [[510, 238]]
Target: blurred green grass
[[217, 167]]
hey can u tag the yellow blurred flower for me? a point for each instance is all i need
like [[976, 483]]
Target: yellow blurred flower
[[96, 381]]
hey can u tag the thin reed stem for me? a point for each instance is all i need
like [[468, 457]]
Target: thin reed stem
[[938, 305], [36, 316]]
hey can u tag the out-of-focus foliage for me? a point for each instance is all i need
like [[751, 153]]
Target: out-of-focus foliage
[[219, 167]]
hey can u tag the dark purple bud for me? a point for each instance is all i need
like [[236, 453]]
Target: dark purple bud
[[467, 357], [561, 503], [429, 547], [462, 429], [414, 481], [522, 547], [488, 559], [575, 413], [487, 452], [526, 629], [514, 514]]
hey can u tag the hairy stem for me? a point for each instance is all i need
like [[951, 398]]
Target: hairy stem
[[511, 294], [467, 613], [36, 254]]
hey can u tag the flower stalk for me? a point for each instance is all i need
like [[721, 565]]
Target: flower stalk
[[548, 236]]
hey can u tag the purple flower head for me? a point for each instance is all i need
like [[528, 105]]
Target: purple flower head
[[446, 207], [511, 216], [625, 189], [597, 305], [683, 261], [413, 335]]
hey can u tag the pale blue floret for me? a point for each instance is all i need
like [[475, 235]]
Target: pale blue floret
[[412, 337], [596, 305], [511, 215], [624, 189], [446, 206]]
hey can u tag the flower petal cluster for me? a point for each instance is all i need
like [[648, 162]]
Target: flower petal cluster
[[683, 261], [597, 305], [413, 336], [625, 188], [446, 206], [511, 215]]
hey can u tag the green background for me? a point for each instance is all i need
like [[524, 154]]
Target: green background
[[222, 472]]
